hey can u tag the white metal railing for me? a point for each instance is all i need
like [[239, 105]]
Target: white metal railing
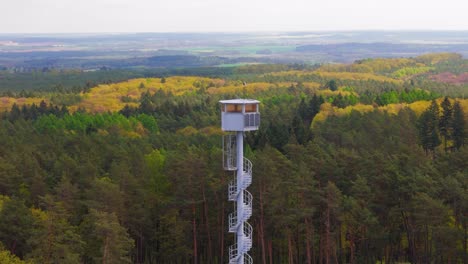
[[247, 180], [229, 152], [233, 225], [233, 254], [248, 230], [232, 194], [232, 222], [247, 241], [247, 177], [248, 199], [247, 166], [247, 259], [232, 190], [247, 212]]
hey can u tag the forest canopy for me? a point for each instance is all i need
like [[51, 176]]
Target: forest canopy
[[353, 163]]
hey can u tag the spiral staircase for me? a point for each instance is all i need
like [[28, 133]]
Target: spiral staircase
[[235, 223]]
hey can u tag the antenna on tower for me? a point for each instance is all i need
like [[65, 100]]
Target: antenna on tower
[[237, 117]]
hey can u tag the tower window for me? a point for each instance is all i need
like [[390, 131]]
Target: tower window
[[250, 108], [236, 108]]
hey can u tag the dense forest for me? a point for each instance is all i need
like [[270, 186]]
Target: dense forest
[[353, 163]]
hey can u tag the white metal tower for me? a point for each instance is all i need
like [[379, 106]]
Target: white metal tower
[[238, 116]]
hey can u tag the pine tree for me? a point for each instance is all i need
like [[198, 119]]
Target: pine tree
[[339, 101], [302, 110], [146, 104], [458, 126], [106, 240], [428, 128], [43, 107], [15, 112], [445, 121], [16, 223], [56, 241], [314, 106], [332, 85], [299, 130]]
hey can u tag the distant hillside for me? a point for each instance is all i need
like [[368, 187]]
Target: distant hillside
[[349, 51], [24, 52]]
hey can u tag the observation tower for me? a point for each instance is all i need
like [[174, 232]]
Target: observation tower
[[237, 117]]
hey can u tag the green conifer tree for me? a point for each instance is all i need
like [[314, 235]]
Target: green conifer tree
[[446, 121], [428, 128], [458, 126]]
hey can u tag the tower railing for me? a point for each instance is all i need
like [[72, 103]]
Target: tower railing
[[247, 259], [229, 152], [246, 213], [248, 230], [232, 222], [234, 256], [247, 205], [247, 180], [247, 173]]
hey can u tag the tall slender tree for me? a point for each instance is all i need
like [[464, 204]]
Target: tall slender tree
[[16, 226], [458, 126], [428, 128], [445, 121], [55, 241], [107, 241]]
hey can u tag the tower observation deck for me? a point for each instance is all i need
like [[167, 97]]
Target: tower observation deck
[[238, 116]]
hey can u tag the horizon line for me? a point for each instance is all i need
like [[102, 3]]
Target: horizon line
[[237, 32]]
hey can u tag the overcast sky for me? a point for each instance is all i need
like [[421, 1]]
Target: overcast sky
[[70, 16]]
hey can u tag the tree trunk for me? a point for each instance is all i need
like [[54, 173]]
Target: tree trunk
[[410, 238], [327, 233], [105, 253], [309, 258], [13, 247], [207, 226], [50, 239], [313, 248], [335, 257], [270, 251], [262, 226], [258, 237], [342, 249], [194, 229], [290, 250], [321, 247], [388, 251], [465, 243], [427, 256], [222, 232]]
